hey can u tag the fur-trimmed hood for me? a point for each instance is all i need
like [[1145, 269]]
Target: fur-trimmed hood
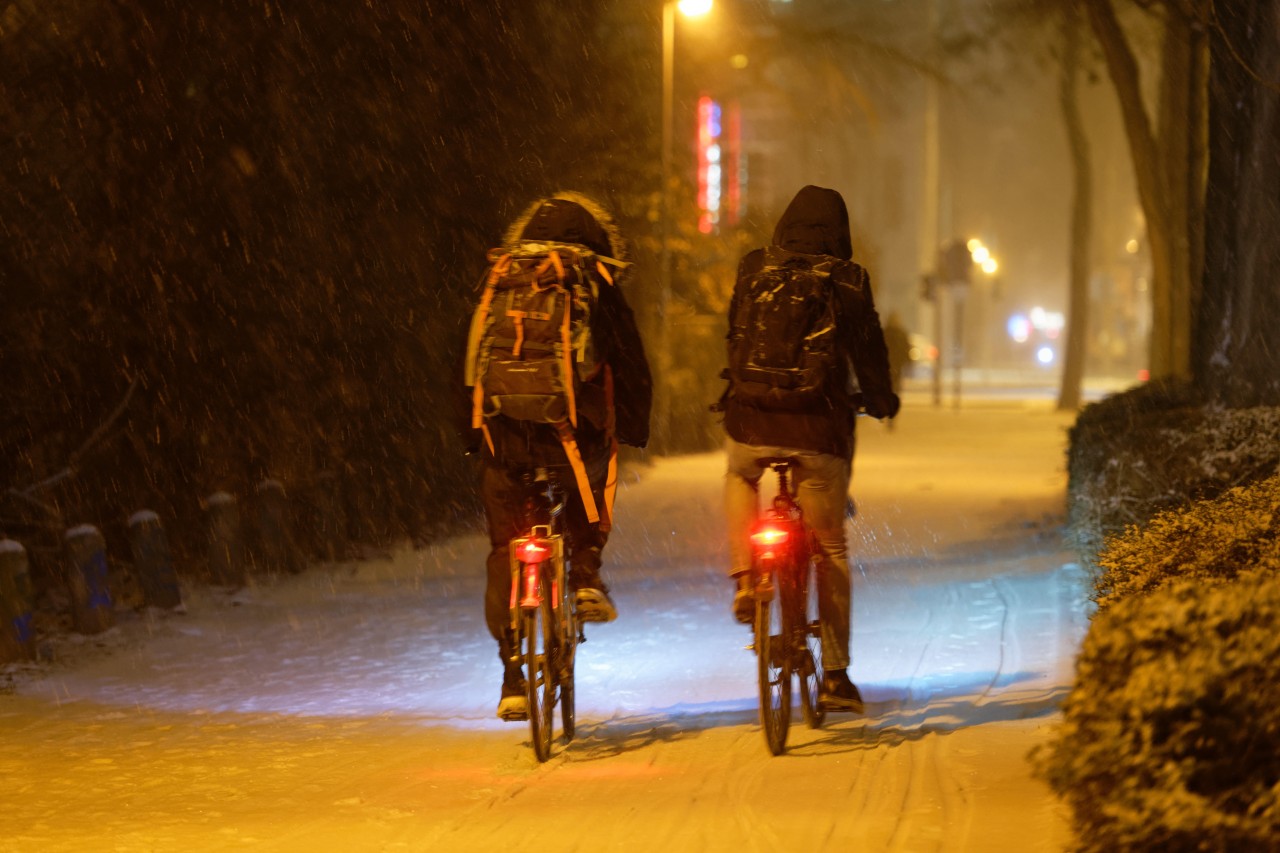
[[569, 217]]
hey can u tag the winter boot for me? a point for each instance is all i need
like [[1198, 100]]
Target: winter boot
[[591, 596], [838, 693], [592, 602], [514, 704]]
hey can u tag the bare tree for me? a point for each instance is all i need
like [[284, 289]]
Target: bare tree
[[1077, 329], [1237, 358], [1170, 158]]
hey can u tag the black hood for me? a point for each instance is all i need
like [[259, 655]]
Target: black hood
[[569, 217], [815, 223]]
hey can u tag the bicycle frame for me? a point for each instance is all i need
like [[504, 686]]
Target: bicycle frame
[[779, 539], [781, 564], [529, 556], [542, 619]]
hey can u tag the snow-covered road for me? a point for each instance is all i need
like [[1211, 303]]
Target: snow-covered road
[[350, 707]]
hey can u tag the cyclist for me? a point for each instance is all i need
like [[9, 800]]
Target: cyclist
[[607, 415], [813, 233]]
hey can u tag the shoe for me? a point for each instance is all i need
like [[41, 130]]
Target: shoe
[[594, 605], [591, 597], [513, 706], [838, 693], [744, 601]]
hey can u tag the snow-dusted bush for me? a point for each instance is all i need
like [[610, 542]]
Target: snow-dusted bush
[[1170, 738], [1212, 540], [1155, 448]]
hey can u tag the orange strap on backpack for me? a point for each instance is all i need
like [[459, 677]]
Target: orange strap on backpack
[[579, 470], [611, 479]]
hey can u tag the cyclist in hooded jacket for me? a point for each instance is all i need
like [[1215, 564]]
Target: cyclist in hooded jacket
[[518, 446], [820, 436]]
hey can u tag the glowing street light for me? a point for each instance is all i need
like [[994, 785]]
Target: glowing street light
[[690, 9]]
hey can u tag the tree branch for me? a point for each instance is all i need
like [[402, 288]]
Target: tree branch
[[1125, 76]]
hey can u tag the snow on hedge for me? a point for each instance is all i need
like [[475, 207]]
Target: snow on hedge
[[1156, 448], [1213, 540], [1170, 738]]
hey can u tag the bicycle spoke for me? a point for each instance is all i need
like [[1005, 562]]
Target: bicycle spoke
[[809, 643], [774, 672], [541, 677], [568, 653]]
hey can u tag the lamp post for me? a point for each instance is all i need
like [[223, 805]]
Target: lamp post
[[692, 9]]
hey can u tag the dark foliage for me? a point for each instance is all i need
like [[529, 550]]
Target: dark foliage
[[1212, 541], [1117, 427], [1170, 738], [267, 222], [1156, 448]]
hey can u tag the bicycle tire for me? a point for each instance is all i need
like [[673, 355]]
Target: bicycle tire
[[773, 665], [809, 648], [568, 654], [541, 676]]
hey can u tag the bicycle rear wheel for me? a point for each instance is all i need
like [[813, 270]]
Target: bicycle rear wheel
[[539, 627], [773, 664], [809, 648], [567, 655]]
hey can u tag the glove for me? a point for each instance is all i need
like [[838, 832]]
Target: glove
[[881, 406]]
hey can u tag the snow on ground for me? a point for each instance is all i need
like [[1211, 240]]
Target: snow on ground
[[350, 707]]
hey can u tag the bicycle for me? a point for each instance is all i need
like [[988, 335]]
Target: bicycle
[[544, 620], [783, 579]]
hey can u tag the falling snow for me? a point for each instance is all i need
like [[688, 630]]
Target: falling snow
[[351, 707]]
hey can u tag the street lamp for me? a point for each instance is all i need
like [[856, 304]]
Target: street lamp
[[690, 9]]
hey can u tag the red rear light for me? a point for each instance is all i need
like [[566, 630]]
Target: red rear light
[[533, 551], [768, 537]]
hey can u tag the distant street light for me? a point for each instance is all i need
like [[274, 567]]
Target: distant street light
[[691, 9]]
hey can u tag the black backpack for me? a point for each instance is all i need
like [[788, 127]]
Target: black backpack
[[783, 349]]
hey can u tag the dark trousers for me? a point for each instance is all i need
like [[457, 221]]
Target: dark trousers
[[502, 493]]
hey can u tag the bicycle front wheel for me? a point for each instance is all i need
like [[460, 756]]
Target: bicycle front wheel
[[773, 663], [539, 627], [809, 648], [568, 651]]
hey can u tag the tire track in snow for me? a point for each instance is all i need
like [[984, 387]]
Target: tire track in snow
[[973, 616], [918, 752]]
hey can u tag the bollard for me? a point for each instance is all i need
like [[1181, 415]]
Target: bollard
[[152, 562], [274, 551], [17, 639], [226, 548], [91, 611]]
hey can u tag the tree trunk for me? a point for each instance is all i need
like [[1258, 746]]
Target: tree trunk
[[1182, 117], [1077, 330], [1238, 357], [1168, 165]]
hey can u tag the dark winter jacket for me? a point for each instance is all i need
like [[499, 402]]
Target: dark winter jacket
[[817, 223], [574, 218]]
